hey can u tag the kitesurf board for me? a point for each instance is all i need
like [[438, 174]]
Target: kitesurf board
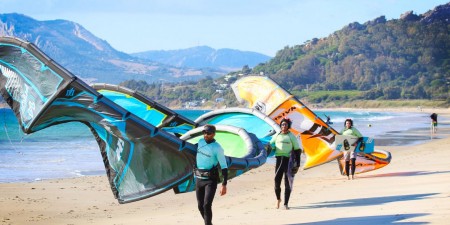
[[368, 162], [340, 140]]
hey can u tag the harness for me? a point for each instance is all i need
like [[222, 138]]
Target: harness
[[212, 173]]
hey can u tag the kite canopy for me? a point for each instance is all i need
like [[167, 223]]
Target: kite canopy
[[253, 121], [146, 109], [140, 159], [317, 137]]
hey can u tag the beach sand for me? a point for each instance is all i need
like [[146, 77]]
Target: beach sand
[[413, 189]]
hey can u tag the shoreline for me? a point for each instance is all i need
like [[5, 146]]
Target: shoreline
[[382, 109], [400, 109]]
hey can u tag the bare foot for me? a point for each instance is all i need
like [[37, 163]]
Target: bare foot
[[353, 177], [278, 203], [348, 177]]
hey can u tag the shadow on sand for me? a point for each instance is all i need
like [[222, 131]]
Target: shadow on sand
[[403, 174], [372, 220], [369, 220], [365, 201]]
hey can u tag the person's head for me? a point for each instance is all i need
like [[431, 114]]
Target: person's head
[[285, 124], [348, 123], [209, 131]]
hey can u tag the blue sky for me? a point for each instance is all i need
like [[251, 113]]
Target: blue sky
[[263, 26]]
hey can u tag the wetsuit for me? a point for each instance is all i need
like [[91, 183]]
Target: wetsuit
[[209, 155], [434, 122], [350, 156], [284, 144]]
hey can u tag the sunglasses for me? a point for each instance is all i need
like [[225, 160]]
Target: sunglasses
[[207, 133], [283, 124]]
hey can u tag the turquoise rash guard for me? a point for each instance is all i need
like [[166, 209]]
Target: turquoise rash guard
[[209, 155]]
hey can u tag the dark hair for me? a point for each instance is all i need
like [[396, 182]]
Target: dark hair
[[351, 122], [288, 121], [209, 129]]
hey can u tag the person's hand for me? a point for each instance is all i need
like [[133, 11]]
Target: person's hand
[[268, 149], [223, 190], [295, 170]]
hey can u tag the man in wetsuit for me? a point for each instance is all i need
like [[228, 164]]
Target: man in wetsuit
[[209, 156]]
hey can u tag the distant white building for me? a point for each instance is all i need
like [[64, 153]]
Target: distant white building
[[227, 77]]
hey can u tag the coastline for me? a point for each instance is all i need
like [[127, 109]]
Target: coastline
[[392, 109], [399, 109], [413, 189]]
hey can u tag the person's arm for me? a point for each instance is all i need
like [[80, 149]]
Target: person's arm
[[297, 157], [356, 132], [295, 141], [296, 147], [223, 189], [272, 141], [223, 164]]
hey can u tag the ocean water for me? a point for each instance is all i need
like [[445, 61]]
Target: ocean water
[[69, 150]]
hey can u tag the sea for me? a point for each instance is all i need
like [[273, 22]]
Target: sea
[[69, 150]]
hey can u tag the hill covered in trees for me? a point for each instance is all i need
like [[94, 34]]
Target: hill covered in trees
[[405, 58]]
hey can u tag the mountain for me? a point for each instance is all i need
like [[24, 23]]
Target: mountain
[[204, 56], [405, 58], [94, 60]]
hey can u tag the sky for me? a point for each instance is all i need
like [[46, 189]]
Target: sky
[[263, 26]]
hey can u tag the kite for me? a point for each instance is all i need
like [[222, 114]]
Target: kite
[[140, 159], [146, 148], [317, 137]]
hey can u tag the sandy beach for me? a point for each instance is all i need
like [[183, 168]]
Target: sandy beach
[[413, 189]]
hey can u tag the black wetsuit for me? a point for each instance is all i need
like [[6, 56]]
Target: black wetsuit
[[281, 168], [205, 188]]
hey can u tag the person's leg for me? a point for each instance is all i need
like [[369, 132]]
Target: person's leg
[[210, 191], [347, 168], [278, 178], [287, 191], [353, 167], [200, 193]]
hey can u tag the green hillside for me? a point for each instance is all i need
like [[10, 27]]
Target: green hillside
[[405, 61], [399, 59]]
